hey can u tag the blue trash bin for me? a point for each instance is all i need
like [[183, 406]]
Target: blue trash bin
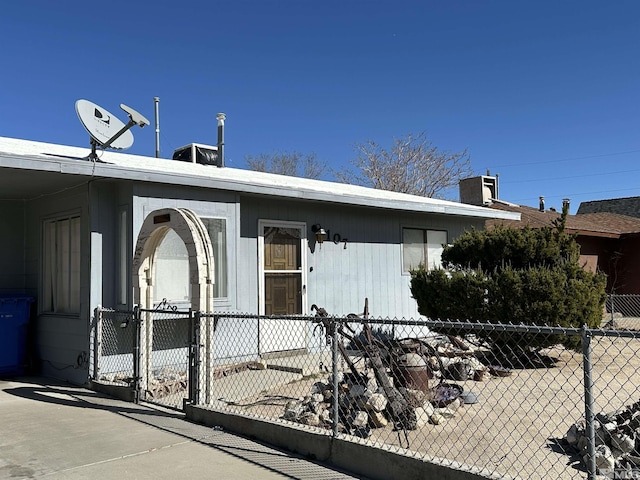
[[15, 312]]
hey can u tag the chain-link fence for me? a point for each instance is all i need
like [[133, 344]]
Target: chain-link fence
[[477, 394], [507, 399], [623, 312]]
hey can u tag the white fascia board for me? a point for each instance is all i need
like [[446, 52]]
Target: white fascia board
[[29, 155]]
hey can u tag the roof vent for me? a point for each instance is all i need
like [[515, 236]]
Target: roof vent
[[478, 190], [198, 153]]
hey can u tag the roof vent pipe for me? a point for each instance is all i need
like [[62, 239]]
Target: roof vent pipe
[[541, 204], [156, 101], [566, 204], [221, 118]]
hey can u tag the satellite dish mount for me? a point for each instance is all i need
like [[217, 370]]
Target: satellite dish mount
[[101, 126]]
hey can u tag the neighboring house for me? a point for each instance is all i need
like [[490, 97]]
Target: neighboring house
[[608, 242], [629, 206], [128, 230]]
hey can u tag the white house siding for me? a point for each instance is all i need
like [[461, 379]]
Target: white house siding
[[340, 279], [205, 203]]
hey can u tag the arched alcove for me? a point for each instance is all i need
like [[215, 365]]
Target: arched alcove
[[193, 233], [188, 226]]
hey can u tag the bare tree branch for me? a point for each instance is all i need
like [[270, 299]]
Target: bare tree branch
[[293, 164], [412, 165]]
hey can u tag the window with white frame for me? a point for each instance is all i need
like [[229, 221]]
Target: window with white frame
[[61, 265], [172, 264], [422, 247]]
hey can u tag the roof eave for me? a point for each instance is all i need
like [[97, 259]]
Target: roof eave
[[81, 166]]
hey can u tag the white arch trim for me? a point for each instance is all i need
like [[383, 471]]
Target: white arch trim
[[194, 234]]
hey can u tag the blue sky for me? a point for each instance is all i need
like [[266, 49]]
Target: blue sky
[[546, 94]]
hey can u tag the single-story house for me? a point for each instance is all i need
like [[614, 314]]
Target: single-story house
[[122, 230]]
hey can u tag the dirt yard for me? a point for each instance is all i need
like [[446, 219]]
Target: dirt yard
[[518, 424]]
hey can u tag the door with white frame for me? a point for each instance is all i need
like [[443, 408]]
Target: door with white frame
[[283, 284]]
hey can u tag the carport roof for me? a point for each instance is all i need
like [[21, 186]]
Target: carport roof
[[31, 169]]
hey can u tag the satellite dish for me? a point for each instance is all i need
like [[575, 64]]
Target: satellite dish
[[105, 129]]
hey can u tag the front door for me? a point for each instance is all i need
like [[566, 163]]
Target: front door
[[283, 284]]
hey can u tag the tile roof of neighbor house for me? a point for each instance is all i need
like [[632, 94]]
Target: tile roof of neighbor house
[[30, 156], [592, 224], [629, 206]]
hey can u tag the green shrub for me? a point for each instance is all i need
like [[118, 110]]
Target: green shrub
[[513, 276]]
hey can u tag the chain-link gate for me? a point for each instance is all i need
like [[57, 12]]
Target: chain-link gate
[[153, 352], [165, 355]]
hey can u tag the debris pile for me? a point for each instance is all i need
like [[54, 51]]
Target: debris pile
[[617, 439], [363, 405], [402, 383], [166, 381]]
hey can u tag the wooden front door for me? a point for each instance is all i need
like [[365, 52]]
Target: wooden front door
[[282, 271], [282, 262]]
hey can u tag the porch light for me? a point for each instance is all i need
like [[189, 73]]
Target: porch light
[[321, 234]]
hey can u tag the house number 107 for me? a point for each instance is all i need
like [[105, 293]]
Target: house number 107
[[337, 238]]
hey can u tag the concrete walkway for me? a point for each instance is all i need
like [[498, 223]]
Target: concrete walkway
[[56, 431]]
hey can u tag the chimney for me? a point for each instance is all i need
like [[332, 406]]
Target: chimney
[[221, 118], [566, 204], [541, 208]]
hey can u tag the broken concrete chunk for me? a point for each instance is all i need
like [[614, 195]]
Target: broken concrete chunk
[[574, 433], [360, 419], [377, 402], [605, 461], [437, 419], [311, 419], [622, 442], [377, 419]]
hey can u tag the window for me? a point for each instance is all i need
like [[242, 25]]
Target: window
[[61, 256], [172, 264], [422, 247]]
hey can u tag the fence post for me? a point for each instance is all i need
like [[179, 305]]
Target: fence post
[[194, 357], [137, 322], [588, 404], [97, 342], [334, 371]]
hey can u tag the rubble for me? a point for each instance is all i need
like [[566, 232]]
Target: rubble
[[617, 439], [394, 387]]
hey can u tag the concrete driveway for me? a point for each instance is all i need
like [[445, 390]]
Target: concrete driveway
[[57, 431]]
